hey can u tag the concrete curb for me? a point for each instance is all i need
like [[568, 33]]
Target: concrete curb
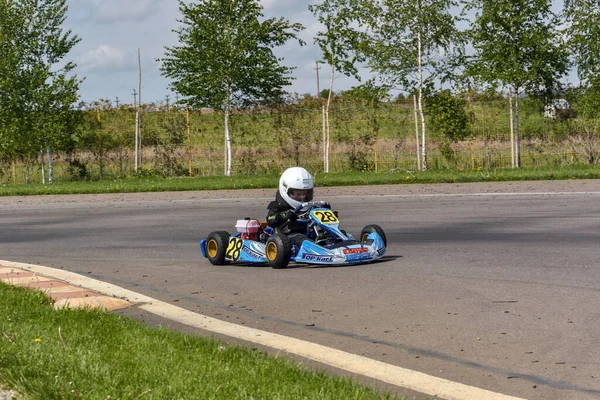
[[110, 295]]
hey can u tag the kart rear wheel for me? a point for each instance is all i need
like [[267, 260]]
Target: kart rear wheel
[[216, 245], [278, 249], [372, 228]]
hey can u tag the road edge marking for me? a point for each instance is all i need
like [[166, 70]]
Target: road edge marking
[[384, 372]]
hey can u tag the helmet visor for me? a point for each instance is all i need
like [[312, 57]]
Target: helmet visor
[[301, 195]]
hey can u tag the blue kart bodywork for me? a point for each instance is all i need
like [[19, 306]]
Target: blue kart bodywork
[[327, 244]]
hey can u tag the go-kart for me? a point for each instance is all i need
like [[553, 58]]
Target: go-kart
[[327, 244]]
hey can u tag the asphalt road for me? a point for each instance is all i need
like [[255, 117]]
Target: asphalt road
[[491, 285]]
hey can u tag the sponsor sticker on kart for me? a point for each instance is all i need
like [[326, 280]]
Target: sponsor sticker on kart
[[356, 250], [356, 257], [310, 257], [251, 252]]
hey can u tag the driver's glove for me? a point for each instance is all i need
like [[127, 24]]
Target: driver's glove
[[289, 215]]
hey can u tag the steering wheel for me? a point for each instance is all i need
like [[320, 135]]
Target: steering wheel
[[303, 208]]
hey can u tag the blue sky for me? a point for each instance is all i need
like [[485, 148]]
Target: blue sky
[[111, 31]]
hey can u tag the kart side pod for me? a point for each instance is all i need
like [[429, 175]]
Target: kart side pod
[[249, 228]]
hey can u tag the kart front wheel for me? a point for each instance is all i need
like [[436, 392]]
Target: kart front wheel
[[216, 245], [370, 229], [278, 249]]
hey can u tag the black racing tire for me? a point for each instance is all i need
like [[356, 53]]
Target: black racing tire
[[216, 245], [278, 249], [372, 228]]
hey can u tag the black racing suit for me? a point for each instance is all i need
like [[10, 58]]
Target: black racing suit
[[281, 218]]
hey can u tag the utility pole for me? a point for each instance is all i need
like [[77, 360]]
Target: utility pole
[[318, 86], [167, 100], [117, 101], [139, 105], [137, 129], [325, 161]]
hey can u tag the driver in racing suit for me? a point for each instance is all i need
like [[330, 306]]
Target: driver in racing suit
[[295, 187]]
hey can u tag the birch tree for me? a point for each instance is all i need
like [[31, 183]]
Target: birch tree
[[9, 61], [340, 42], [224, 58], [410, 47], [583, 32], [517, 45], [38, 87]]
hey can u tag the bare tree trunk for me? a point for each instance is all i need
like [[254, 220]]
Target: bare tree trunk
[[417, 134], [420, 63], [512, 130], [227, 136], [27, 169], [517, 139], [137, 133], [139, 113], [189, 134], [325, 155], [485, 138], [50, 166], [327, 128], [42, 163]]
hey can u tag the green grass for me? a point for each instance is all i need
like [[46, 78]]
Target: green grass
[[86, 354], [159, 184]]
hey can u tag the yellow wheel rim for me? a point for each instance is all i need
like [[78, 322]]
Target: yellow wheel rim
[[271, 251], [212, 248], [364, 237]]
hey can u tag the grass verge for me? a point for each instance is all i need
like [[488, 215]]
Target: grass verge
[[90, 354], [160, 184]]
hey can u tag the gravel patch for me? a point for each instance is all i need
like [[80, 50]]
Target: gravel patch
[[6, 394]]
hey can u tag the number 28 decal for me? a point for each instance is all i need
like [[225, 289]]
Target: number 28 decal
[[326, 217], [234, 248]]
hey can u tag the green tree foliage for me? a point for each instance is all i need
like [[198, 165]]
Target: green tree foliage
[[369, 92], [583, 31], [36, 86], [517, 45], [411, 46], [448, 116], [224, 58], [412, 38], [9, 61], [583, 17], [340, 40]]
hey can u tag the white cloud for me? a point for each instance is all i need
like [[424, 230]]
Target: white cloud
[[107, 59], [271, 6], [116, 11]]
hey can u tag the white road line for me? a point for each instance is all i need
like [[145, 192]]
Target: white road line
[[484, 194], [392, 374], [409, 195]]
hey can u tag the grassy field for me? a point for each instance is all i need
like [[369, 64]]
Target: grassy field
[[83, 354], [159, 184], [364, 137]]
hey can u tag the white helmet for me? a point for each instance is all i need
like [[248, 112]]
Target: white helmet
[[296, 186]]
